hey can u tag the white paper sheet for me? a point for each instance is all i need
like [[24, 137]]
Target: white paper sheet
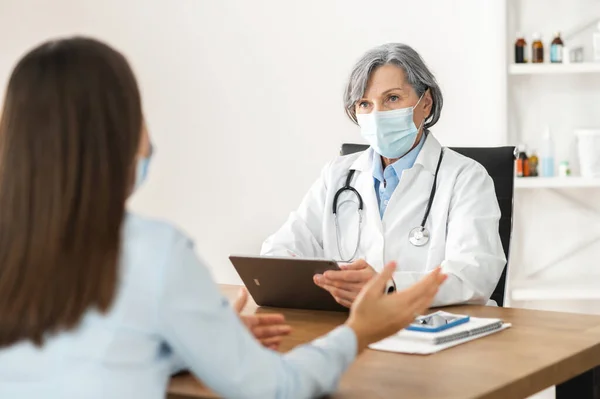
[[399, 345]]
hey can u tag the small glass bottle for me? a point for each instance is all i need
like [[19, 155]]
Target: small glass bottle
[[520, 49], [522, 162], [533, 162], [537, 49], [556, 49]]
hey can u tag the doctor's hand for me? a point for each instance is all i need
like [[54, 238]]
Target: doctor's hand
[[375, 315], [345, 284], [268, 329]]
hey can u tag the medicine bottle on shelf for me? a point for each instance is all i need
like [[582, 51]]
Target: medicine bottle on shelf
[[522, 163], [533, 162], [556, 49], [537, 49], [520, 49]]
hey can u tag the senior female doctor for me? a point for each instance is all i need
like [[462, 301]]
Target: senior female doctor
[[406, 198]]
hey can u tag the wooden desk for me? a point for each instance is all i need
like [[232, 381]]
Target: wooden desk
[[542, 349]]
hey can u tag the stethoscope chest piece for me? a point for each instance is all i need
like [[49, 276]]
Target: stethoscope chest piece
[[419, 236]]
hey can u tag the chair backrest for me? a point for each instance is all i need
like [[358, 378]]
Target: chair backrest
[[499, 163]]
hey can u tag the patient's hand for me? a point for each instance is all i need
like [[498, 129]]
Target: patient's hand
[[268, 329]]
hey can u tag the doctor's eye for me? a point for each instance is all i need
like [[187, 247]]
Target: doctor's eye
[[363, 104], [393, 98]]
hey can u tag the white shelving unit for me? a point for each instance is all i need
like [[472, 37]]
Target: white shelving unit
[[554, 69], [563, 97], [556, 182]]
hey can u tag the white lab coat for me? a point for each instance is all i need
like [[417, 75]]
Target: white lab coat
[[463, 223]]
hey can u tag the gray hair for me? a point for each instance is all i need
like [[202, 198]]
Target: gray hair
[[403, 56]]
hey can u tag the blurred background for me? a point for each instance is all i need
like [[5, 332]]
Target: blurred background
[[244, 104]]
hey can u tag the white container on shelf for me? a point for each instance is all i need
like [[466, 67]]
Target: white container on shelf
[[588, 145]]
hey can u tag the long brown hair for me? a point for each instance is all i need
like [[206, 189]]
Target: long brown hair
[[69, 134]]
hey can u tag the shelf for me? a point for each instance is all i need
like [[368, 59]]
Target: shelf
[[556, 182], [549, 69], [557, 290]]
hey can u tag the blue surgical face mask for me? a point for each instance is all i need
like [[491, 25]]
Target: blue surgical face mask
[[390, 133], [141, 170]]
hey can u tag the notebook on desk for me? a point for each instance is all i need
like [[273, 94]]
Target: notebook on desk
[[427, 342]]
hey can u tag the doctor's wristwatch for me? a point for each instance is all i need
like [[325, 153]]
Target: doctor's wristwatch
[[390, 287]]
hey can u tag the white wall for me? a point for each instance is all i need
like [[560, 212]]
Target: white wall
[[244, 99]]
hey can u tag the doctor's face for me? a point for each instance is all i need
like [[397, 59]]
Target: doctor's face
[[388, 90]]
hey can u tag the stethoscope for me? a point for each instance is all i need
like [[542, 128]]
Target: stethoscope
[[419, 236]]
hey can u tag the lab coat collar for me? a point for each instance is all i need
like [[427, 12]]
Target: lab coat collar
[[428, 156], [364, 161]]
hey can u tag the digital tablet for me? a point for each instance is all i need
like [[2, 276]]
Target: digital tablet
[[286, 282]]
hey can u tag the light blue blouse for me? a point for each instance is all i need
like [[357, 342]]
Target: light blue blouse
[[168, 312]]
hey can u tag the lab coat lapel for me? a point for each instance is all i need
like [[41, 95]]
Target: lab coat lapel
[[430, 154], [372, 237], [426, 162], [366, 187]]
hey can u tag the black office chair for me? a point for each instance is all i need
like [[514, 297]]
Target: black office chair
[[499, 163]]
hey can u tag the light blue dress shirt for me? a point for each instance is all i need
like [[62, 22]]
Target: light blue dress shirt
[[387, 180], [168, 312]]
